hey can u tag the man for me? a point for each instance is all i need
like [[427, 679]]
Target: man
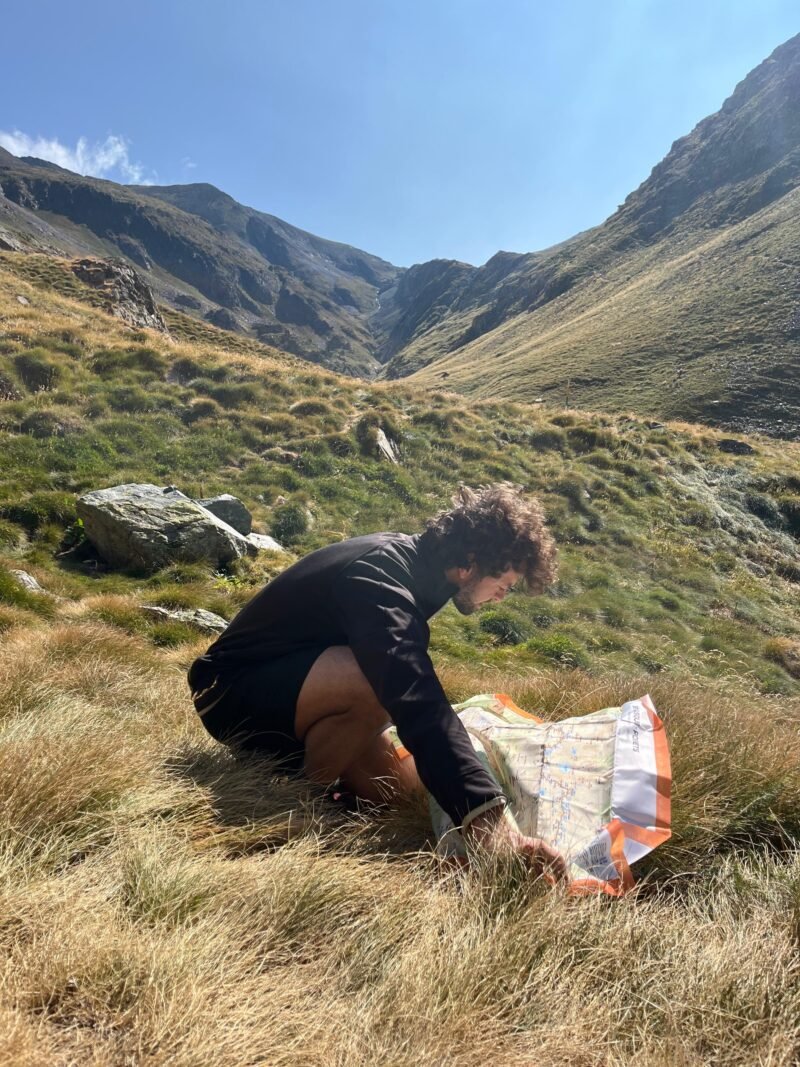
[[322, 660]]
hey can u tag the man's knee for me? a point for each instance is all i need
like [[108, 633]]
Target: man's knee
[[336, 686]]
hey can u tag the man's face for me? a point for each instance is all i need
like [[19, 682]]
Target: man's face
[[476, 590]]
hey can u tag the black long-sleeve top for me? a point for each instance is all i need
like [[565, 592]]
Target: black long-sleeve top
[[375, 594]]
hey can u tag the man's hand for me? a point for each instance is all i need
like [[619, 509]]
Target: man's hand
[[491, 831]]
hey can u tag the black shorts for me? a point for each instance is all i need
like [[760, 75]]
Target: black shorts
[[253, 708]]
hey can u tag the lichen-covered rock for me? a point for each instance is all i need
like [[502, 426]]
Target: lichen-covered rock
[[147, 527], [231, 510], [205, 621], [265, 543], [27, 581], [387, 448]]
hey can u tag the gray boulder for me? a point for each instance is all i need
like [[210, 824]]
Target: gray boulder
[[265, 543], [205, 621], [27, 581], [148, 527], [231, 510], [387, 448]]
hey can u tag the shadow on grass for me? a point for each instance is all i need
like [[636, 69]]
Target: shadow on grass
[[252, 805]]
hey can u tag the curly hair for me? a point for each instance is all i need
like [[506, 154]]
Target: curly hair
[[496, 527]]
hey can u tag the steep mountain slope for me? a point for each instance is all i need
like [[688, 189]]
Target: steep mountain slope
[[204, 253], [684, 302]]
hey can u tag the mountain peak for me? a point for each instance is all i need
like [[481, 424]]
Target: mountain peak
[[733, 162]]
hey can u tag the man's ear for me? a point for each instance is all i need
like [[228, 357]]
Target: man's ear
[[465, 573]]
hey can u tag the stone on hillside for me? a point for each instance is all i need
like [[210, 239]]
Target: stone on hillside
[[10, 244], [231, 510], [127, 296], [280, 455], [265, 543], [736, 448], [147, 527], [23, 300], [205, 621], [386, 447], [27, 581]]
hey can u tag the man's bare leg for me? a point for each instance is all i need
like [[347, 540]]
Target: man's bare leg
[[341, 724]]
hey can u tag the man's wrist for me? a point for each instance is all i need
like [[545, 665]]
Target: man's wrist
[[481, 823]]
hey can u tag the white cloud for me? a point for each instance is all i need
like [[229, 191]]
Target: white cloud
[[102, 159], [188, 163]]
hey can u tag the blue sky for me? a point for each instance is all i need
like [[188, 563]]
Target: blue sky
[[412, 129]]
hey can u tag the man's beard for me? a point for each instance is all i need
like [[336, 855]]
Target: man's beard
[[464, 598]]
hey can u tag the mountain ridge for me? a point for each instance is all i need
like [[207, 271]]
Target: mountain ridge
[[250, 272], [682, 302]]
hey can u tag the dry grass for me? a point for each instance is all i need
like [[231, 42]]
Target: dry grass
[[163, 904]]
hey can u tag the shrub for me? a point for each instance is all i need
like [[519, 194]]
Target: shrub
[[41, 509], [169, 634], [235, 394], [558, 647], [790, 510], [201, 407], [9, 534], [289, 522], [311, 408], [37, 370], [786, 652], [504, 626], [764, 508], [48, 423], [110, 362], [600, 458], [185, 370], [547, 440], [574, 489], [132, 398], [340, 444], [589, 438]]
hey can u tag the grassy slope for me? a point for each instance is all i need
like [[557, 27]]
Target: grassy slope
[[166, 905], [701, 325]]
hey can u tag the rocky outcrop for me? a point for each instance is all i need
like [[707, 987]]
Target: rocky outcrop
[[148, 526], [126, 295]]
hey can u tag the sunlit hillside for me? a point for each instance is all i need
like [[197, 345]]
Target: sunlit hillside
[[165, 904]]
